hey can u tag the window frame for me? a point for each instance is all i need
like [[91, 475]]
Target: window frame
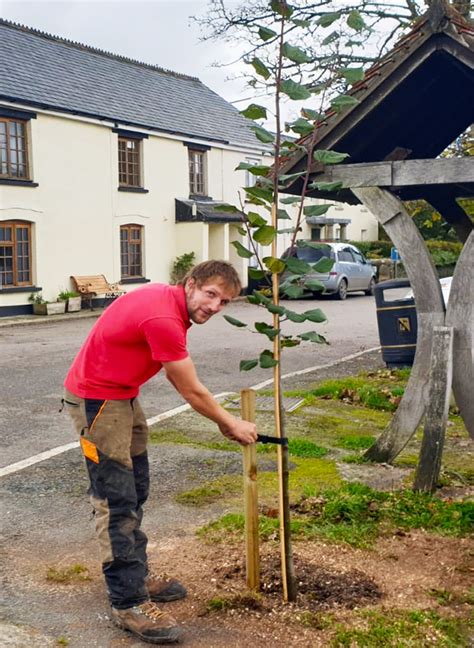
[[129, 228], [194, 184], [16, 225], [7, 120], [123, 139]]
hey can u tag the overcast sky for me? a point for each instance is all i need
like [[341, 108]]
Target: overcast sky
[[155, 31]]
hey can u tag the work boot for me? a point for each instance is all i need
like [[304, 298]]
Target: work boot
[[162, 589], [148, 622]]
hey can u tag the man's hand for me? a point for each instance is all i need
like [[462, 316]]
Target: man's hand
[[243, 432], [182, 375]]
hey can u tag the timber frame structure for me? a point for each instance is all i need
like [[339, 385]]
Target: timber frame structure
[[413, 104]]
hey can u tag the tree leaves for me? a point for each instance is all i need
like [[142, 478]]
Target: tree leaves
[[281, 7], [241, 250], [260, 68], [255, 169], [297, 266], [255, 219], [234, 322], [294, 90], [344, 101], [265, 234], [263, 135], [254, 111], [260, 192], [295, 54], [309, 113], [290, 200], [301, 126], [353, 75], [266, 34], [315, 210], [282, 214], [312, 336], [276, 309], [267, 360], [292, 291], [247, 365], [329, 157], [256, 274], [295, 317], [266, 329], [315, 315], [324, 265], [274, 265], [355, 21], [314, 285], [326, 20], [326, 186], [231, 209]]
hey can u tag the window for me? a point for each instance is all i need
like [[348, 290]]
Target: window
[[131, 251], [129, 162], [345, 255], [197, 171], [250, 178], [15, 254], [358, 256], [13, 149]]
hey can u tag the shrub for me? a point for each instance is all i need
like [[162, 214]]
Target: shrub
[[181, 266]]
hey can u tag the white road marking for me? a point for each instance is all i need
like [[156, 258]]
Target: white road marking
[[42, 456]]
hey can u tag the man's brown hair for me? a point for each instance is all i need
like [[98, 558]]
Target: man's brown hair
[[222, 271]]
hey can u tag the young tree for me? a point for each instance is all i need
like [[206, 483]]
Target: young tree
[[281, 59]]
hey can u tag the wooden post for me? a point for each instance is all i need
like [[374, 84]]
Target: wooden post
[[252, 560], [429, 465]]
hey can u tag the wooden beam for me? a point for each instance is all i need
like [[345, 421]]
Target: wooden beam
[[429, 466], [460, 315], [398, 174], [390, 211]]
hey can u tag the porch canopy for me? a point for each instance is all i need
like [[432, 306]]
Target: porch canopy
[[204, 211]]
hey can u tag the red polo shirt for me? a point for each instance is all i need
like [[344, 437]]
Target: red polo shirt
[[129, 343]]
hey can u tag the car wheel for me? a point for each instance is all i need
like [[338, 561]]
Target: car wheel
[[342, 290], [370, 289]]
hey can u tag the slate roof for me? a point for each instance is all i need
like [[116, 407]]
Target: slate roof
[[46, 71]]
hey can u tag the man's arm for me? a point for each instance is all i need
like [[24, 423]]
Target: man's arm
[[182, 375]]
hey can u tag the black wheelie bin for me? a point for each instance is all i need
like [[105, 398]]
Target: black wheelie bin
[[397, 324]]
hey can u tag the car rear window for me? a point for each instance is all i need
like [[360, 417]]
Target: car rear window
[[311, 255]]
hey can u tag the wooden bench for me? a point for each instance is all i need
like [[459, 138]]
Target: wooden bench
[[91, 286]]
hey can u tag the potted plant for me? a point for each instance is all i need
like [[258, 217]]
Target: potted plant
[[43, 307], [72, 298]]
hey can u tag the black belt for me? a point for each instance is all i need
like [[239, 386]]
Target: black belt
[[263, 438]]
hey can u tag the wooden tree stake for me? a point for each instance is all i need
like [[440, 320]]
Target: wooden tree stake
[[252, 560]]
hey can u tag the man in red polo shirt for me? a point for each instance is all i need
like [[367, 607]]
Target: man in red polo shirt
[[139, 334]]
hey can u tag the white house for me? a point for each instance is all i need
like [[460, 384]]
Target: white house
[[110, 166]]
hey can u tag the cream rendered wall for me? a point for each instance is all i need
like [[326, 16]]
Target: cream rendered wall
[[363, 225], [165, 177], [77, 209], [70, 161]]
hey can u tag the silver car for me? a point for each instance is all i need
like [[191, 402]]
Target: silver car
[[351, 271]]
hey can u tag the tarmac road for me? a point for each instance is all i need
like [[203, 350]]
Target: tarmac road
[[35, 359]]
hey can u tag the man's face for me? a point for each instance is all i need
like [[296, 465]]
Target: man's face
[[205, 301]]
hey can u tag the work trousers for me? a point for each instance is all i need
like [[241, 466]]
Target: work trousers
[[113, 436]]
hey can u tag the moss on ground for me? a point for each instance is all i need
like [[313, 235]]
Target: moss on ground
[[402, 629]]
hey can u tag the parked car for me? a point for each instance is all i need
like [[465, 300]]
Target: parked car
[[351, 271]]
